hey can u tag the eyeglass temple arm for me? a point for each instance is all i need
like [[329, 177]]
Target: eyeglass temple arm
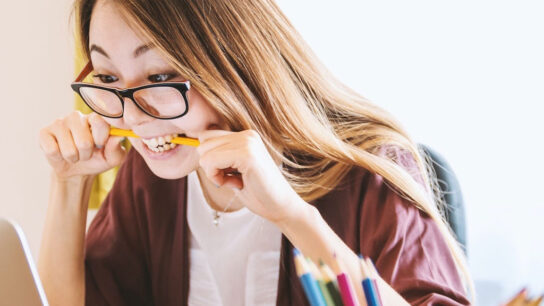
[[86, 70]]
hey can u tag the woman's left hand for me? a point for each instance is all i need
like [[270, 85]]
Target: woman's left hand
[[260, 185]]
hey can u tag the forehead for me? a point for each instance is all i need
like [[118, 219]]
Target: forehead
[[110, 30]]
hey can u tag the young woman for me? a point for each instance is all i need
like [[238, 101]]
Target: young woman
[[288, 155]]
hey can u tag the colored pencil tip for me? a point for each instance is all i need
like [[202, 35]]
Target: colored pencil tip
[[296, 252]]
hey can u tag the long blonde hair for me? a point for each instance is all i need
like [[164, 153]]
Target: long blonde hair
[[254, 68]]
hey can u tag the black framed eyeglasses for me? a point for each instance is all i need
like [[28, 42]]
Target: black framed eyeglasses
[[161, 100]]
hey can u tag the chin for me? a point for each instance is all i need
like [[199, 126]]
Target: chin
[[169, 173], [170, 165]]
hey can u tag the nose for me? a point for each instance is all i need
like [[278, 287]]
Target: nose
[[132, 115]]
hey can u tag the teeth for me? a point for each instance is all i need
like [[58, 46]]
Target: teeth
[[160, 144]]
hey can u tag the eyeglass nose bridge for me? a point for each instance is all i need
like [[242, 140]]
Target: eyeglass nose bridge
[[128, 93], [125, 93]]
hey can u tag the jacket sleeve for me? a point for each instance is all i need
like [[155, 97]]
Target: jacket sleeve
[[115, 267], [407, 247]]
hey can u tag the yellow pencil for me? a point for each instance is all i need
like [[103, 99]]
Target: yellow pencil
[[178, 140]]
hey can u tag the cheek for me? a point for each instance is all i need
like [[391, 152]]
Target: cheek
[[200, 115]]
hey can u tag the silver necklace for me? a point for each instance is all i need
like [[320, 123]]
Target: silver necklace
[[217, 215]]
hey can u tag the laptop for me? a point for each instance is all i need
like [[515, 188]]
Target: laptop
[[19, 281]]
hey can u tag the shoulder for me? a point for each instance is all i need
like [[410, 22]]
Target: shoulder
[[373, 219], [366, 201]]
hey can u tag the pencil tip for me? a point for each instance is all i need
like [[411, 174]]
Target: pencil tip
[[296, 252]]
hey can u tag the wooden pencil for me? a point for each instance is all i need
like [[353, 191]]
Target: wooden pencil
[[374, 276], [308, 282], [319, 279], [177, 140], [330, 283], [347, 292], [371, 295]]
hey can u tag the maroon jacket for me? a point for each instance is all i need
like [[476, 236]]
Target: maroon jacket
[[137, 247]]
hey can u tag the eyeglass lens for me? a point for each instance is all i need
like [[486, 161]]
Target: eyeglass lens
[[156, 101]]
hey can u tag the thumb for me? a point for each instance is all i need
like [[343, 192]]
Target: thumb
[[114, 152]]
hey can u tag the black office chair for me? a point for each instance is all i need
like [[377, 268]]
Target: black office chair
[[451, 194]]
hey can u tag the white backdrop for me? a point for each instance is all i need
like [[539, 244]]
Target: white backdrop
[[465, 77], [36, 68]]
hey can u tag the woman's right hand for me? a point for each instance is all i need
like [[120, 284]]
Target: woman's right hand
[[80, 145]]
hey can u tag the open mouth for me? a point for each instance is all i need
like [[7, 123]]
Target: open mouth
[[162, 143]]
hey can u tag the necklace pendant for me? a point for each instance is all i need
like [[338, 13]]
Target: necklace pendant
[[216, 218]]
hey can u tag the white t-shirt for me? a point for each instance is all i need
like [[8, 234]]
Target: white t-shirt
[[235, 262]]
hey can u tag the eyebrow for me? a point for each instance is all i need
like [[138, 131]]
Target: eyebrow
[[99, 50], [139, 51]]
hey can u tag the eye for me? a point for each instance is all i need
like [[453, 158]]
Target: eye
[[161, 77], [104, 78]]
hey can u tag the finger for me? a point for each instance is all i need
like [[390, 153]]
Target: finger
[[224, 165], [223, 157], [100, 129], [114, 153], [233, 181], [49, 146], [65, 141], [79, 127], [225, 177], [207, 134], [215, 139]]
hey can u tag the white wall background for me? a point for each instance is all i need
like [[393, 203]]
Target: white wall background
[[36, 68], [467, 78], [464, 77]]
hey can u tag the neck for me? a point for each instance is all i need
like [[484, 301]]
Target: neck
[[217, 197]]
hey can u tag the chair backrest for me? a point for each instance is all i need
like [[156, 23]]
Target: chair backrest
[[451, 194]]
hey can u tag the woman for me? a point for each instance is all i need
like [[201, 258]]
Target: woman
[[288, 156]]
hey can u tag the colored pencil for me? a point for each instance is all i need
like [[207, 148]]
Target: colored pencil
[[519, 299], [344, 284], [308, 282], [320, 282], [374, 276], [536, 302], [330, 283], [178, 140], [368, 286]]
